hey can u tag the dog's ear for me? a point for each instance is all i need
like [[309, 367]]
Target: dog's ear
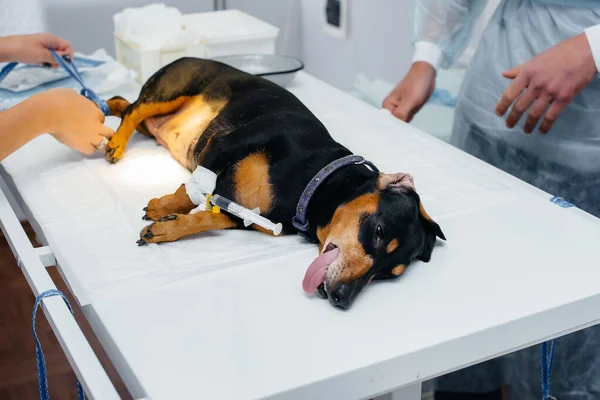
[[400, 183], [432, 229], [430, 224]]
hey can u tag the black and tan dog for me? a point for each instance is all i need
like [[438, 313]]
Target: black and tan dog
[[265, 147]]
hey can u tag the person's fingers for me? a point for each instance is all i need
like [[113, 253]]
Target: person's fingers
[[392, 100], [100, 142], [535, 113], [389, 105], [91, 109], [44, 57], [100, 117], [88, 149], [512, 73], [67, 51], [66, 55], [52, 42], [521, 105], [510, 94], [84, 146], [405, 111], [551, 115], [106, 132], [56, 43]]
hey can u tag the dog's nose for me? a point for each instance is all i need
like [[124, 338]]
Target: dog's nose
[[341, 296]]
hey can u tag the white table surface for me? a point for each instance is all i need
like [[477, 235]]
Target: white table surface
[[516, 269]]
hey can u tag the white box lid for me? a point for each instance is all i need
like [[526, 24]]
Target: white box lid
[[226, 25]]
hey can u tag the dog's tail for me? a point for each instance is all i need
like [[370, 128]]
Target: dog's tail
[[117, 106]]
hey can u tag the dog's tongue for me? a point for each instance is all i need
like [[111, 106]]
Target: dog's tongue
[[317, 271]]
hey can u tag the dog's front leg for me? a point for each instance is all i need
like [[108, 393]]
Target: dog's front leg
[[175, 226], [176, 203]]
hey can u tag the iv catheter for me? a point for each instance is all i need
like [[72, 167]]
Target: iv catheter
[[200, 190]]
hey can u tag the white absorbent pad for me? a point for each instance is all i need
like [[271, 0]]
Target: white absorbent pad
[[91, 211], [99, 71]]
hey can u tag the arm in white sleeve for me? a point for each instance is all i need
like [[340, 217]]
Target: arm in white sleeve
[[443, 29], [593, 36]]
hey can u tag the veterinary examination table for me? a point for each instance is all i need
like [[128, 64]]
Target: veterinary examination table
[[222, 315]]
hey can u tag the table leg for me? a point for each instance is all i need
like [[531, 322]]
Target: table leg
[[412, 392]]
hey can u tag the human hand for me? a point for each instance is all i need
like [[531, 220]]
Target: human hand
[[412, 92], [552, 78], [72, 119], [33, 49]]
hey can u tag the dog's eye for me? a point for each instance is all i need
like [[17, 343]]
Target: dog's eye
[[379, 234]]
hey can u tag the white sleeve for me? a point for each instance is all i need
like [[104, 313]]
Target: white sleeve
[[446, 25], [428, 52], [593, 36]]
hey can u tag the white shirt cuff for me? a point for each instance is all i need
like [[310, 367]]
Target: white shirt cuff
[[430, 53], [593, 36]]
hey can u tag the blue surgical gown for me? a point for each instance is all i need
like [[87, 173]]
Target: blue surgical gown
[[565, 162]]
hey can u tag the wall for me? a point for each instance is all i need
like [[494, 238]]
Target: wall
[[285, 14], [378, 43], [88, 24], [20, 17]]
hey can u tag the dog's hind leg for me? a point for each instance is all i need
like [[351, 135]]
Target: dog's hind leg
[[118, 106], [132, 117], [175, 226], [176, 203]]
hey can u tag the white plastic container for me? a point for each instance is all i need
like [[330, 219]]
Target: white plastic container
[[219, 33], [147, 62], [232, 32]]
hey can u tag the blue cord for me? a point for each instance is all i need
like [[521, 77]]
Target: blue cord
[[547, 364], [71, 70], [41, 362], [6, 70]]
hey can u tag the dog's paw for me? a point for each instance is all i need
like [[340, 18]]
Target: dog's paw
[[155, 210], [114, 151], [166, 229]]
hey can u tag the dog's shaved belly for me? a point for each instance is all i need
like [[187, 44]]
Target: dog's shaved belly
[[180, 131]]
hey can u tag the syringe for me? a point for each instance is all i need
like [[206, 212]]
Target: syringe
[[200, 188], [248, 216]]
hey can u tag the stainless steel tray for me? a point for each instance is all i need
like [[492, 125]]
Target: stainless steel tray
[[276, 68]]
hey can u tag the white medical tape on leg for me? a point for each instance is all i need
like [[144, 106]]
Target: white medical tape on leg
[[202, 183]]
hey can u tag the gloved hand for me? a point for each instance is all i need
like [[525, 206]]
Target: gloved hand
[[553, 78], [72, 119], [33, 49], [412, 92]]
